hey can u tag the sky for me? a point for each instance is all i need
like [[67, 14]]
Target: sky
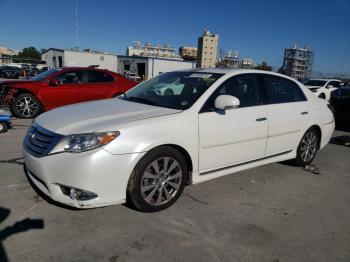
[[256, 29]]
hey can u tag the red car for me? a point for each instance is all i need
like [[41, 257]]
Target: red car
[[62, 86]]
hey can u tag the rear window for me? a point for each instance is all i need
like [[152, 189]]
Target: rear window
[[280, 90], [99, 77]]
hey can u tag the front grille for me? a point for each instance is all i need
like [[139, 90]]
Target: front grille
[[40, 141]]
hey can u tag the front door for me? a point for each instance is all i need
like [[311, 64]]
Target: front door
[[236, 135], [69, 91]]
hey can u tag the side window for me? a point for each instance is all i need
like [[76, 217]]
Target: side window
[[244, 87], [71, 77], [280, 90], [99, 77]]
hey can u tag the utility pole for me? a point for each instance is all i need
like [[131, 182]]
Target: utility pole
[[76, 26]]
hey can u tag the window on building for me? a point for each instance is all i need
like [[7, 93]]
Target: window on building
[[102, 58]]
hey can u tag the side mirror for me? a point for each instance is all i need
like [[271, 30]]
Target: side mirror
[[224, 102], [329, 86], [54, 82]]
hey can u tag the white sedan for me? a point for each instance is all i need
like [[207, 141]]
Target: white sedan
[[323, 87], [145, 145]]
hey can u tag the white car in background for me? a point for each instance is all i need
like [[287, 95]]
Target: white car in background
[[146, 145], [323, 87]]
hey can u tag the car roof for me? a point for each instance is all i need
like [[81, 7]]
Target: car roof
[[234, 71], [82, 68]]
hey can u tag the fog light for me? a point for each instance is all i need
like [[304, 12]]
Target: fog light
[[76, 193]]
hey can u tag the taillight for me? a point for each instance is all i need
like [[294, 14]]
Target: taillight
[[330, 108]]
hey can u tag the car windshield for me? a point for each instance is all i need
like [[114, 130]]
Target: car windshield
[[177, 90], [45, 74], [315, 82]]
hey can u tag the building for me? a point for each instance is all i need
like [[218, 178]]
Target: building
[[188, 53], [233, 61], [148, 67], [247, 63], [59, 57], [297, 63], [6, 55], [150, 50], [207, 49]]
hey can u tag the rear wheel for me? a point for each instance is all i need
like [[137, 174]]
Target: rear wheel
[[307, 148], [158, 179], [26, 106]]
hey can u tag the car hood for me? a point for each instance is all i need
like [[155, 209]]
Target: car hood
[[14, 82], [97, 116]]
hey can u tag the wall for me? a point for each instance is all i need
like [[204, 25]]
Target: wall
[[105, 61], [50, 55], [157, 66]]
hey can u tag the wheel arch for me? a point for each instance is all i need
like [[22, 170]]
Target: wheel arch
[[319, 132], [184, 153]]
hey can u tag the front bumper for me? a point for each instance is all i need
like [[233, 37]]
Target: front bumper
[[97, 171]]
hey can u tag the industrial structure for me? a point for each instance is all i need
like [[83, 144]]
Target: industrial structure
[[207, 49], [188, 53], [297, 63], [233, 61], [150, 50], [59, 57]]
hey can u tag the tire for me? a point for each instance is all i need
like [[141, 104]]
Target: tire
[[26, 106], [151, 191], [309, 143], [322, 95], [3, 127]]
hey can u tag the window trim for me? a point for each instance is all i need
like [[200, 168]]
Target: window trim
[[260, 88]]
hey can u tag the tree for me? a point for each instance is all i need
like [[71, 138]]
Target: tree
[[264, 66], [27, 54]]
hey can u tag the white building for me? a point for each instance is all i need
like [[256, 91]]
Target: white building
[[148, 67], [58, 58]]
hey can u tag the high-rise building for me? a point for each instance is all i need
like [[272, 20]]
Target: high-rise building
[[207, 49], [297, 63]]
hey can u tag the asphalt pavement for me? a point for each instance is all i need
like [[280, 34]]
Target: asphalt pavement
[[272, 213]]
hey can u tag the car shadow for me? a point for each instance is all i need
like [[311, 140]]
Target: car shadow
[[341, 140], [20, 226]]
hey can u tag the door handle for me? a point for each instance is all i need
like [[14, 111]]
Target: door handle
[[261, 119], [304, 113]]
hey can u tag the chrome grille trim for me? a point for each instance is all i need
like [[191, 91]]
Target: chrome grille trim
[[40, 141]]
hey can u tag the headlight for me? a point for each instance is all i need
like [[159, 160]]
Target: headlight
[[84, 142]]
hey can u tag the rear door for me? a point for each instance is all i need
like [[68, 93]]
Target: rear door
[[236, 135], [99, 85], [69, 91], [288, 114]]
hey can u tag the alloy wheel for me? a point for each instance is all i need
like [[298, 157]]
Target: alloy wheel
[[27, 107], [161, 181], [308, 147]]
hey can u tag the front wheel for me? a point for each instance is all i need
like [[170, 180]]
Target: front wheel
[[3, 127], [307, 149], [158, 179], [25, 106]]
